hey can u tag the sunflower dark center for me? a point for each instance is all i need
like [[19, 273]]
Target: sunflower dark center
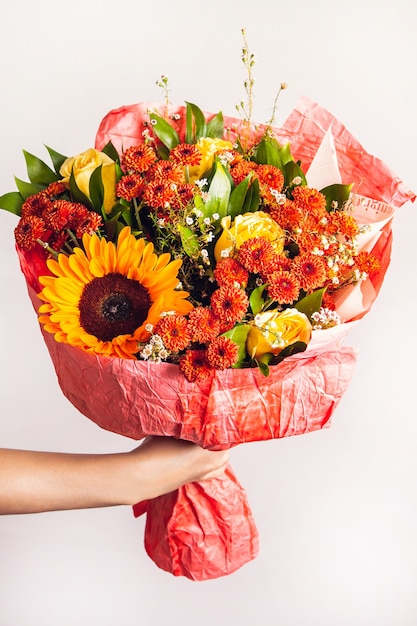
[[113, 305]]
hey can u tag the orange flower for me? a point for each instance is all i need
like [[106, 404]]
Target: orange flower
[[28, 231], [222, 353], [203, 325], [173, 331], [367, 263], [310, 200], [129, 187], [194, 365], [310, 270], [255, 254], [283, 287], [229, 304], [229, 271], [186, 154], [270, 176], [158, 194], [138, 158], [242, 168]]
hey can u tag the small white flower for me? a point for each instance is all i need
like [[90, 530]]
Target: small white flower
[[189, 221], [201, 182], [204, 253], [215, 216], [207, 221], [225, 253], [209, 237], [296, 180]]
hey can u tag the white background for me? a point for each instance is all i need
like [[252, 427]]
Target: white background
[[337, 509]]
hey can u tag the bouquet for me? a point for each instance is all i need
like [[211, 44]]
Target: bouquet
[[194, 276]]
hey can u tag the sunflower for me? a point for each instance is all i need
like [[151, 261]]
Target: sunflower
[[105, 298]]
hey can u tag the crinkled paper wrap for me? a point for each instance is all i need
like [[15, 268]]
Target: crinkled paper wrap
[[206, 530]]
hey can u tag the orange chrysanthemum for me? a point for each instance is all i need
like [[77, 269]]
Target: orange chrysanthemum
[[310, 270], [158, 194], [194, 365], [35, 205], [283, 287], [167, 170], [185, 154], [288, 215], [173, 330], [58, 214], [55, 189], [138, 158], [239, 171], [310, 200], [327, 302], [104, 299], [222, 353], [129, 187], [203, 325], [229, 304], [367, 263], [270, 176], [343, 223], [28, 231], [255, 254], [229, 271], [183, 195]]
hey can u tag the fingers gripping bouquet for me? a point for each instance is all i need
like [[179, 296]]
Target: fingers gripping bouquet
[[194, 276]]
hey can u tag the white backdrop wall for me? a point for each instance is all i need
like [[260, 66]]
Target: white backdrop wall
[[337, 509]]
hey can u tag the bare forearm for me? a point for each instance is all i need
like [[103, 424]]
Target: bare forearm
[[44, 481], [32, 482]]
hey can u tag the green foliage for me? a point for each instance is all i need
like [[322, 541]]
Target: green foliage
[[311, 303], [11, 202], [336, 195], [164, 131]]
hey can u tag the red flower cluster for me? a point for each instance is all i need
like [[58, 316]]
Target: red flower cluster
[[48, 219]]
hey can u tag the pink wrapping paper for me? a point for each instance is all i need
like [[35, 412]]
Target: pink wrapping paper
[[206, 530]]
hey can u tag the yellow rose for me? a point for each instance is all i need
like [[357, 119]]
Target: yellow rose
[[272, 331], [209, 149], [247, 226], [83, 165]]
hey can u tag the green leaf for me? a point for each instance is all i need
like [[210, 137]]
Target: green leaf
[[189, 241], [263, 368], [96, 189], [28, 189], [12, 202], [268, 153], [111, 152], [291, 171], [215, 127], [196, 123], [256, 300], [218, 194], [310, 304], [56, 158], [252, 198], [336, 193], [38, 171], [238, 196], [239, 334], [164, 131], [294, 348], [76, 194]]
